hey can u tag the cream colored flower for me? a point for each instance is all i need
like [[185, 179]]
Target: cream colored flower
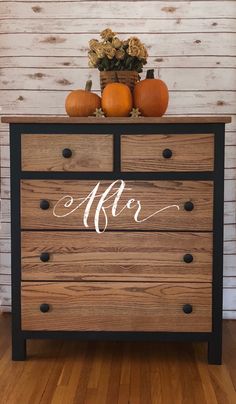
[[91, 64], [134, 41], [100, 52], [93, 59], [120, 54], [116, 43], [107, 34], [109, 51], [143, 53], [93, 43], [134, 50]]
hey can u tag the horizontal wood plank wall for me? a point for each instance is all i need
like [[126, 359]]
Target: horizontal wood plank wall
[[192, 46]]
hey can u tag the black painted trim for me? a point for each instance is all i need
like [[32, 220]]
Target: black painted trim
[[125, 128], [18, 343], [215, 345], [117, 335], [117, 174]]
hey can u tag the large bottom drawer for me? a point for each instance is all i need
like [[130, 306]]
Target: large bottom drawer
[[116, 306]]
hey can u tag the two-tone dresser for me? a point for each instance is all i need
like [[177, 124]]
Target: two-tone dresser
[[117, 229]]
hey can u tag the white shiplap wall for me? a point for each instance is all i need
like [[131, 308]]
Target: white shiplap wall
[[192, 45]]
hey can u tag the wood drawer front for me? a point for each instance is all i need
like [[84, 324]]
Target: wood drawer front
[[189, 152], [118, 306], [89, 152], [153, 196], [116, 256]]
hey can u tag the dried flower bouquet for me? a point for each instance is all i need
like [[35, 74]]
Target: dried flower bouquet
[[112, 53]]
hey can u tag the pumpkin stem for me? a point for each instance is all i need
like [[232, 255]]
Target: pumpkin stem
[[88, 85], [150, 74]]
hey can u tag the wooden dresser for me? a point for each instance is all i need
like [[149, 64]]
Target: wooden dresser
[[156, 187]]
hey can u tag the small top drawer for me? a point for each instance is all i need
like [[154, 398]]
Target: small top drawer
[[67, 152], [167, 152]]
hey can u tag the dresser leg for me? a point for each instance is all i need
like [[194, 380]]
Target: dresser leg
[[18, 349], [214, 352]]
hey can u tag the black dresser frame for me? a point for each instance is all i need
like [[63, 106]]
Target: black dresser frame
[[213, 338]]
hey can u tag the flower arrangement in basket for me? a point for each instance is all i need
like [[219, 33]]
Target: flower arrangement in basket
[[116, 59], [119, 62]]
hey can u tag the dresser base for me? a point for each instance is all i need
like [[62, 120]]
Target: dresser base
[[19, 348]]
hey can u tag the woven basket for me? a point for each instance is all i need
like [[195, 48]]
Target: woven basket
[[128, 77]]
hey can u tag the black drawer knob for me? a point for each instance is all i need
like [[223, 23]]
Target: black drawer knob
[[187, 308], [167, 153], [44, 256], [188, 206], [188, 258], [44, 204], [67, 153], [44, 307]]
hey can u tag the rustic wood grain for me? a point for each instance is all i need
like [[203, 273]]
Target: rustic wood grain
[[180, 102], [5, 156], [154, 195], [81, 62], [117, 256], [5, 209], [190, 152], [66, 119], [64, 44], [125, 26], [107, 306], [115, 9], [4, 136], [230, 314], [5, 187], [5, 171], [5, 291], [44, 152], [178, 79], [230, 174]]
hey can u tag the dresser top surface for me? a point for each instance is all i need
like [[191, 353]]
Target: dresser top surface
[[93, 120]]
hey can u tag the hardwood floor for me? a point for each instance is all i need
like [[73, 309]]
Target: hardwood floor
[[75, 372]]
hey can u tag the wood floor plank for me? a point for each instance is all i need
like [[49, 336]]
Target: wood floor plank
[[54, 377], [135, 376], [97, 366], [145, 376], [209, 393], [229, 338], [73, 357], [81, 389], [103, 382], [115, 374], [222, 384], [190, 377], [172, 390], [124, 389], [34, 375], [75, 372], [91, 396]]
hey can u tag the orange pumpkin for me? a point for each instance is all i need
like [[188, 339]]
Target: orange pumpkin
[[151, 96], [117, 100], [82, 102]]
